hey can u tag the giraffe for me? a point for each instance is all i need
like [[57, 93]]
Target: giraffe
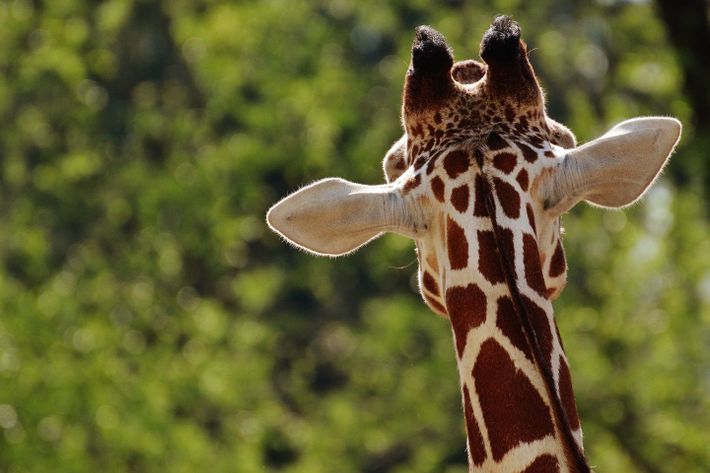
[[479, 181]]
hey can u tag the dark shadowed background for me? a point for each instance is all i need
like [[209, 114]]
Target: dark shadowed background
[[150, 322]]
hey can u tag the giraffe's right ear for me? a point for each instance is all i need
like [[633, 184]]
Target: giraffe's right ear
[[334, 217], [614, 170]]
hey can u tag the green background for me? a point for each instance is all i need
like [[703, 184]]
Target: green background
[[149, 321]]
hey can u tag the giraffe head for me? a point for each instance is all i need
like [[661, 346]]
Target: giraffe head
[[479, 181], [461, 120]]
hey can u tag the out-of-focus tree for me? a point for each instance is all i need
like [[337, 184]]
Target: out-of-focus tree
[[689, 33]]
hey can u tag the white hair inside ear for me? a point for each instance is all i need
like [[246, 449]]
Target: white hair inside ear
[[614, 170]]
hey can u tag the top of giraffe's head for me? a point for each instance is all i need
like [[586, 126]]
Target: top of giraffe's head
[[442, 94]]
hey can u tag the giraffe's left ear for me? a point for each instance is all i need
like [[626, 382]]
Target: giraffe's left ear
[[614, 170], [334, 217]]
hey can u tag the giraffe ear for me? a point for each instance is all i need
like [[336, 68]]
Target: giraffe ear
[[614, 170], [334, 217]]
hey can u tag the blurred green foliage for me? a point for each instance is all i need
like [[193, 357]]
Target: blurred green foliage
[[150, 322]]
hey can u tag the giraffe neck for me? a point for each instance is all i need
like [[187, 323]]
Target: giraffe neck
[[517, 418], [563, 417], [516, 386]]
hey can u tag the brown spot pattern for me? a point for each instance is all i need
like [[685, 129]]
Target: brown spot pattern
[[541, 326], [488, 261], [528, 153], [434, 304], [457, 245], [507, 321], [557, 264], [531, 217], [467, 310], [475, 439], [567, 396], [455, 163], [419, 162], [412, 183], [459, 198], [505, 162], [513, 410], [531, 261], [543, 464], [523, 180], [430, 283], [494, 142], [437, 186], [508, 198]]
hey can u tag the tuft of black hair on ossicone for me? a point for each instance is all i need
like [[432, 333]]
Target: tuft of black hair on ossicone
[[501, 42], [430, 52]]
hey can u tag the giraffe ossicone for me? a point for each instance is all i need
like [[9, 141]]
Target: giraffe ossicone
[[479, 181]]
